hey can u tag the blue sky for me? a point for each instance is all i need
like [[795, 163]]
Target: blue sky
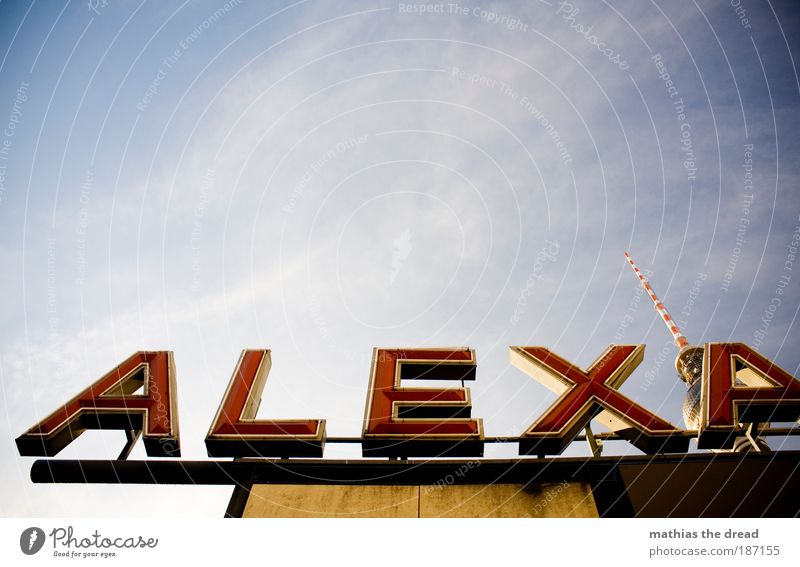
[[321, 179]]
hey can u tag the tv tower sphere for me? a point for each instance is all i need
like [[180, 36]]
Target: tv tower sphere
[[689, 364]]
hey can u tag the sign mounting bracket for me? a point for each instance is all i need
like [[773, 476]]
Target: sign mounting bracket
[[132, 436]]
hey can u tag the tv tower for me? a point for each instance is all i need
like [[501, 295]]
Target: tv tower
[[689, 364]]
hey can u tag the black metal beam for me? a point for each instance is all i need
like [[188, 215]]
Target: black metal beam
[[150, 471], [609, 436], [363, 471]]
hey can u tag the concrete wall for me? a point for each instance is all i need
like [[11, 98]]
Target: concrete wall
[[563, 500]]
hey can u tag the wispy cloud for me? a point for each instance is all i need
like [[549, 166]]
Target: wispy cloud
[[320, 179]]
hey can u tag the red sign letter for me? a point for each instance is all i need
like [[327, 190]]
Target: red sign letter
[[110, 403], [585, 395], [422, 422], [235, 431], [741, 386]]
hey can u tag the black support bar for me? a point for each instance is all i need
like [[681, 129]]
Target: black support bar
[[365, 471]]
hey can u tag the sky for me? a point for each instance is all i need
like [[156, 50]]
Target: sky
[[323, 178]]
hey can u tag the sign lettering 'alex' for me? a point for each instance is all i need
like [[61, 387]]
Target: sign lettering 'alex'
[[739, 386]]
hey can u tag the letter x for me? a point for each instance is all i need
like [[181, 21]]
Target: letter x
[[588, 394]]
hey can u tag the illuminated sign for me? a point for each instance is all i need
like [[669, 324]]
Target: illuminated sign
[[592, 394], [739, 386], [236, 433], [424, 422], [110, 403]]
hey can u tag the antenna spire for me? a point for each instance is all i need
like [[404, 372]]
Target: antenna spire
[[689, 364], [677, 336]]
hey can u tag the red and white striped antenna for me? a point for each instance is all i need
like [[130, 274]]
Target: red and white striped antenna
[[677, 336], [689, 364]]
